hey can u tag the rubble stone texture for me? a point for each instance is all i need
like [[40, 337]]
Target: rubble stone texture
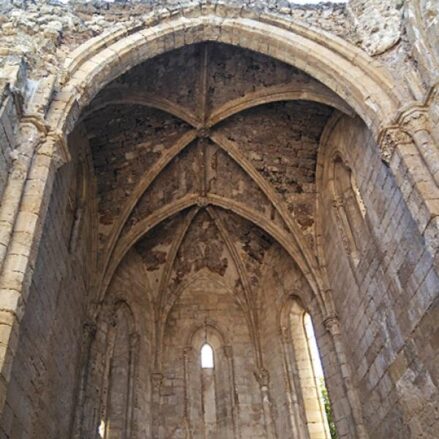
[[182, 173]]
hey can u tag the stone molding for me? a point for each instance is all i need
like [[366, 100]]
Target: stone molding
[[85, 63], [413, 126]]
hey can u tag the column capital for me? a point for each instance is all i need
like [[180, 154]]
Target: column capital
[[390, 138], [416, 119], [263, 377], [134, 340], [228, 351], [156, 379], [58, 147], [338, 201], [89, 327], [332, 324], [37, 121], [187, 350]]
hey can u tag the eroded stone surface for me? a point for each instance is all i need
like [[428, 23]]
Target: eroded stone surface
[[217, 195]]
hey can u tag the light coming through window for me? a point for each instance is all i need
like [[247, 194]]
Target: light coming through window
[[206, 356]]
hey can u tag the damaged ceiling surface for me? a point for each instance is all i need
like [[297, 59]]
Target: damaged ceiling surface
[[218, 220], [205, 161], [203, 157]]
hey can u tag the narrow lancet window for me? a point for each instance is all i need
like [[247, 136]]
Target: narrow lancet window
[[207, 356], [313, 349], [319, 379], [310, 410]]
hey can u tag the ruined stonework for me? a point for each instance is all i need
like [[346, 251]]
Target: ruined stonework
[[219, 176]]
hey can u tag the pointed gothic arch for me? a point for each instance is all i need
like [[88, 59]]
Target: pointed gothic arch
[[345, 70], [337, 64]]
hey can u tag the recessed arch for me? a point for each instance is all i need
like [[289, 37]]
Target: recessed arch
[[351, 74], [289, 92], [304, 374], [295, 91], [209, 334], [119, 95], [145, 225], [280, 142]]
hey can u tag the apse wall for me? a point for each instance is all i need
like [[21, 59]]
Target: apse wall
[[207, 309], [384, 291], [45, 370]]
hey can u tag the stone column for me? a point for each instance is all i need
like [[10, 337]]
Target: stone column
[[131, 427], [29, 137], [417, 124], [333, 327], [410, 152], [295, 409], [187, 353], [263, 378], [156, 383], [228, 353], [89, 333], [22, 247]]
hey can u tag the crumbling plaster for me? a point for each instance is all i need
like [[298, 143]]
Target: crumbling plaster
[[144, 193]]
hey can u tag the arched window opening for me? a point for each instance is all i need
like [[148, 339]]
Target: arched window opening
[[308, 385], [117, 408], [351, 211], [318, 375], [207, 361], [209, 385]]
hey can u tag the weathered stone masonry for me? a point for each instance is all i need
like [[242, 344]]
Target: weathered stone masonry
[[180, 173]]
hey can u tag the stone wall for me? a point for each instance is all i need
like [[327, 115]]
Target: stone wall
[[385, 301], [206, 303], [45, 31], [11, 105], [43, 385], [198, 192]]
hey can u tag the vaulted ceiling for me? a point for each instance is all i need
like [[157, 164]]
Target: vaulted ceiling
[[204, 158]]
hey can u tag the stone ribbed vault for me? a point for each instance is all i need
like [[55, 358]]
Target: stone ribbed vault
[[218, 173]]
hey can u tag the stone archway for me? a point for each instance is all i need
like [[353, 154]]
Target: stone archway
[[350, 82]]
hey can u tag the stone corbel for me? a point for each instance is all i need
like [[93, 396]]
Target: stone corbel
[[37, 121], [417, 122]]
